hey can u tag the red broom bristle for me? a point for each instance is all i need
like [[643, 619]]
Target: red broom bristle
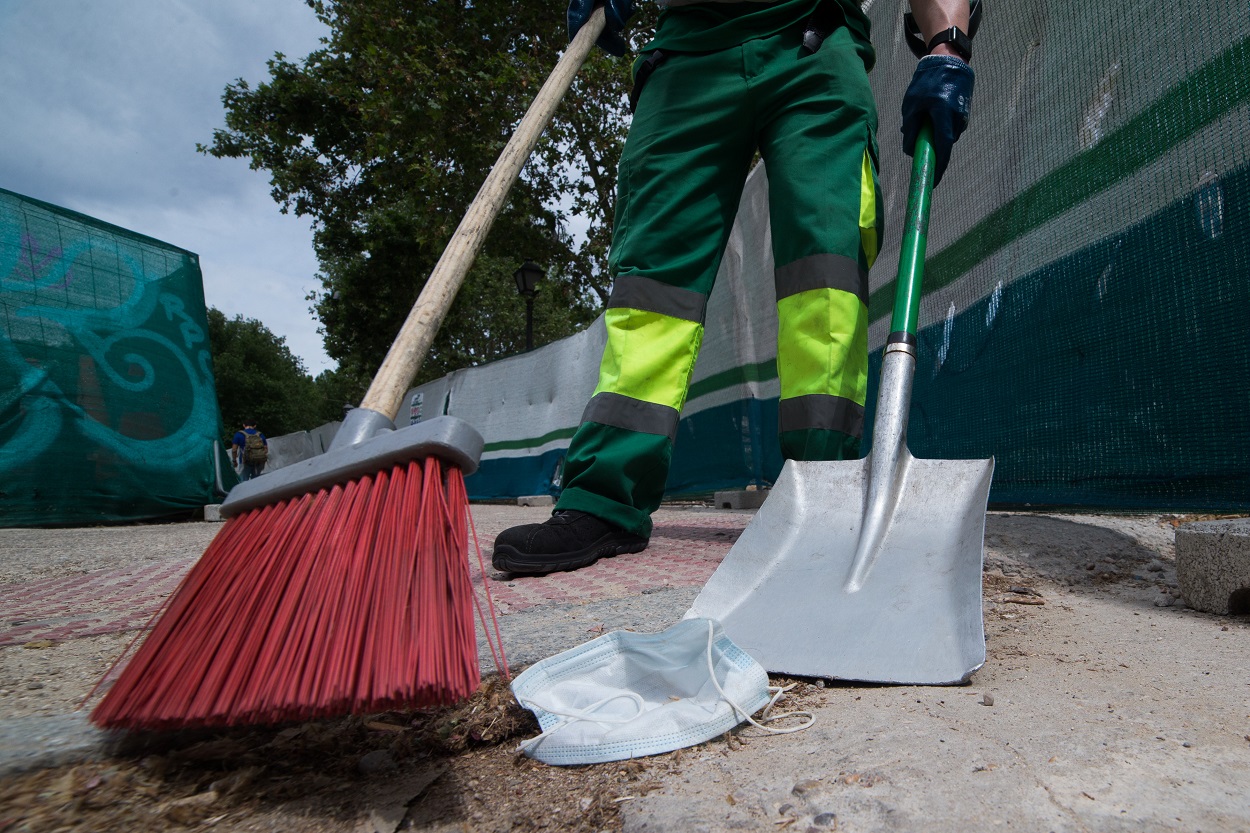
[[353, 599]]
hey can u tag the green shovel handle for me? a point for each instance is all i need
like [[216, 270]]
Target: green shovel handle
[[915, 237]]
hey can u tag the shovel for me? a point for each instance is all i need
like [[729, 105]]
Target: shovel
[[867, 570]]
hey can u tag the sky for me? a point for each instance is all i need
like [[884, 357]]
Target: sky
[[104, 102]]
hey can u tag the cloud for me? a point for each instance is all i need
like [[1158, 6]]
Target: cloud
[[104, 104]]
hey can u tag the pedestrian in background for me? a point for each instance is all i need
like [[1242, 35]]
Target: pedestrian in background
[[251, 449]]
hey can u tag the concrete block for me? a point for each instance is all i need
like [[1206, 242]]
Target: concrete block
[[1213, 565], [212, 512], [323, 435], [288, 449], [743, 499], [536, 500]]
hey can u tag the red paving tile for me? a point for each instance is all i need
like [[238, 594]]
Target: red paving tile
[[683, 553], [90, 604], [680, 555]]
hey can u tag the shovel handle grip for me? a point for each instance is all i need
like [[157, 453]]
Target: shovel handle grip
[[411, 346], [915, 236]]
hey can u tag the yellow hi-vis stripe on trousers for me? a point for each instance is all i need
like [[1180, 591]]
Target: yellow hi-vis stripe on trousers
[[821, 335], [649, 356], [869, 210]]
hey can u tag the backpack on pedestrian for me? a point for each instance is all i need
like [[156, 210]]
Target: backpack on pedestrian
[[255, 452]]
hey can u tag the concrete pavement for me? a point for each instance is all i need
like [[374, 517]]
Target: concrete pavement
[[1105, 704]]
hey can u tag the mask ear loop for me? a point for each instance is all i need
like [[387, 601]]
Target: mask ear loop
[[765, 716], [586, 714]]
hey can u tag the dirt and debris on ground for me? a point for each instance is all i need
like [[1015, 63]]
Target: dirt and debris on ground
[[359, 773], [449, 769]]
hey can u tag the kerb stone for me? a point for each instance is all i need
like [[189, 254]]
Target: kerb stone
[[1213, 565], [744, 499]]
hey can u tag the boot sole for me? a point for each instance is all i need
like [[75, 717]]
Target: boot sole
[[509, 559]]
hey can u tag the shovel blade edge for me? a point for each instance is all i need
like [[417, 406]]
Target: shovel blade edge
[[781, 591]]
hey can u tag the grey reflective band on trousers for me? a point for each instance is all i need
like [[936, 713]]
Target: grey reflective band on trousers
[[631, 414], [821, 411], [823, 271], [650, 295]]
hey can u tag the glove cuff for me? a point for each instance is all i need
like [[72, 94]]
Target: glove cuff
[[934, 61]]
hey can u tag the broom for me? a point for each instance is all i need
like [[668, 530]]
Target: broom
[[340, 584]]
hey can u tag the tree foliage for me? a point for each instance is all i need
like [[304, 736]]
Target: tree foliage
[[259, 378], [382, 138]]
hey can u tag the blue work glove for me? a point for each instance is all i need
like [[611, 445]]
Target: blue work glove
[[941, 90], [616, 12]]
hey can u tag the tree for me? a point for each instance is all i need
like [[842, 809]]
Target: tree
[[383, 137], [258, 377], [335, 390]]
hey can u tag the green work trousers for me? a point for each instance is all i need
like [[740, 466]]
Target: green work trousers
[[701, 117]]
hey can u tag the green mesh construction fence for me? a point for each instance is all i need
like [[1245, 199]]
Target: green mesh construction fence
[[1086, 290], [108, 410]]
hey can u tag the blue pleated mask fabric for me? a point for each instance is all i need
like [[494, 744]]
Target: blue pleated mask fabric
[[626, 695]]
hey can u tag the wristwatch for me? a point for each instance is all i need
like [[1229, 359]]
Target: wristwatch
[[961, 41], [958, 40]]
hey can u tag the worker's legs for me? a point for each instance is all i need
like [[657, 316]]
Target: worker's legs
[[819, 147], [680, 182]]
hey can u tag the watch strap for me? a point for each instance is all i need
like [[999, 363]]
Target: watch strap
[[958, 40]]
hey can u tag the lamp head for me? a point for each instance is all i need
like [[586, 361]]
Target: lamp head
[[527, 278]]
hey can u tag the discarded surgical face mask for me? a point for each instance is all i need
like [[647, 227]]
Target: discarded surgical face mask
[[625, 695]]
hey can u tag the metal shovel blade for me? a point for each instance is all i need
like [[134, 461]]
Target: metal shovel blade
[[867, 570], [791, 592]]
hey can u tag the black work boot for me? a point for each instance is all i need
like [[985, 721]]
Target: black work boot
[[567, 541]]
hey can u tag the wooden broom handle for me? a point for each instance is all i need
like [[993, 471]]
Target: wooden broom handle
[[403, 361]]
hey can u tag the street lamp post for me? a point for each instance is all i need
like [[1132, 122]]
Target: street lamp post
[[527, 278]]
